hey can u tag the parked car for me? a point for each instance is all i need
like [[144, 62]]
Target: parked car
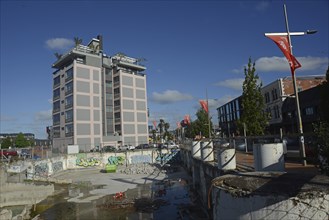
[[109, 148], [143, 146], [127, 147], [171, 145], [8, 152], [221, 143]]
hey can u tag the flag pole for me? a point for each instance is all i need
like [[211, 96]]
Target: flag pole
[[299, 119], [209, 130]]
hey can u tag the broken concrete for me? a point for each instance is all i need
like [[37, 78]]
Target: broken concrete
[[270, 195]]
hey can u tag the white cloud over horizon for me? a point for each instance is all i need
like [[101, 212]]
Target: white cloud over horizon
[[280, 64], [169, 96], [43, 115], [235, 83], [59, 43]]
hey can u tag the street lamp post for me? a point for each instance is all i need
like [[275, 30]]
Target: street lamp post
[[299, 119]]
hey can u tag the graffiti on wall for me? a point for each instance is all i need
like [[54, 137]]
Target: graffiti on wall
[[141, 159], [41, 169], [57, 166], [87, 162], [84, 161], [171, 157], [116, 160]]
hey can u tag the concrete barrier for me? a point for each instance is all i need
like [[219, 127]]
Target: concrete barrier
[[268, 157], [196, 149], [226, 159], [207, 151]]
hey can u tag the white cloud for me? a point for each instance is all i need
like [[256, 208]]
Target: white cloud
[[312, 63], [7, 118], [235, 84], [280, 64], [43, 115], [59, 43], [262, 6], [170, 96]]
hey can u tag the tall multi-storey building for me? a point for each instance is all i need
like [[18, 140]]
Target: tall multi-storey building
[[98, 100], [274, 95]]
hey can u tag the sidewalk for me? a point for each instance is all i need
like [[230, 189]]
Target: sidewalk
[[246, 161]]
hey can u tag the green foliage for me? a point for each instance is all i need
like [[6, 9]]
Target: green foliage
[[21, 141], [253, 105], [322, 129], [6, 143], [163, 128], [199, 126], [77, 41], [324, 98]]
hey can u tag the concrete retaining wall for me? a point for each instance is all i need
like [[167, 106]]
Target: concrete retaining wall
[[258, 195], [44, 169], [13, 194], [268, 207]]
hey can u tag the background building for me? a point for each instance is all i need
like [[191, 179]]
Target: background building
[[274, 94], [310, 111], [98, 100]]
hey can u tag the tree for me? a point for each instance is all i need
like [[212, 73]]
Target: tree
[[253, 105], [160, 126], [6, 143], [199, 126], [166, 134], [322, 129], [21, 141], [77, 41], [324, 98]]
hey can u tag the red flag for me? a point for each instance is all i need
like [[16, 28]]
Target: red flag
[[187, 119], [204, 105], [155, 124], [283, 44]]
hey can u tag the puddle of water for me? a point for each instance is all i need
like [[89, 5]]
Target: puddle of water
[[166, 199]]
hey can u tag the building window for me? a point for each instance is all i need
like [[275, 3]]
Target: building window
[[69, 116], [69, 74], [56, 94], [108, 84], [116, 103], [69, 130], [109, 109], [69, 101], [117, 115], [56, 106], [309, 111], [116, 79], [276, 112], [56, 119], [68, 88], [274, 94], [57, 81], [269, 113], [267, 97], [116, 91], [56, 131]]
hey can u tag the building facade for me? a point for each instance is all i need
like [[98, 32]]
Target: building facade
[[90, 96], [310, 111], [274, 95]]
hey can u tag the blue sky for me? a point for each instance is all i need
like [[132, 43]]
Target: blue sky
[[191, 48]]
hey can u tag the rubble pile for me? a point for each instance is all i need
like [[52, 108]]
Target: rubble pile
[[143, 168]]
